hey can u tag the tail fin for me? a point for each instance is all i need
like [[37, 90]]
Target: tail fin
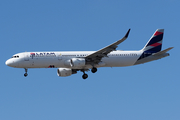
[[155, 43]]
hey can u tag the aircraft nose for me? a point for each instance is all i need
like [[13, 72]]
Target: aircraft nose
[[10, 63]]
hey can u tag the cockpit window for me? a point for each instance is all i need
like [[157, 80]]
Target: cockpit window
[[16, 56]]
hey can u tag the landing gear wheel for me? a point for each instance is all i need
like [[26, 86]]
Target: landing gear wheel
[[25, 74], [85, 76], [93, 70]]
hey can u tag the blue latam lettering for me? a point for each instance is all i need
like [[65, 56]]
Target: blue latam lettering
[[43, 55]]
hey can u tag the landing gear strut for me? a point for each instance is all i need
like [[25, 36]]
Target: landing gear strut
[[25, 74]]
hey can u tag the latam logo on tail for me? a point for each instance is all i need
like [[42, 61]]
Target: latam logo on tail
[[155, 43]]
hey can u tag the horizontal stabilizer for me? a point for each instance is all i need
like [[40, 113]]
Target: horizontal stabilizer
[[162, 52]]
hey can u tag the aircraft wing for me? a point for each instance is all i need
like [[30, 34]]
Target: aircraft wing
[[96, 57]]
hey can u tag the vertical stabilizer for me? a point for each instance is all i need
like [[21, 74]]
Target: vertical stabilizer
[[155, 43]]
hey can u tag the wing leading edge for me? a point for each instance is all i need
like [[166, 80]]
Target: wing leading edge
[[96, 57]]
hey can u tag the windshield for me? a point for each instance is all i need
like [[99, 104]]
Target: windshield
[[15, 56]]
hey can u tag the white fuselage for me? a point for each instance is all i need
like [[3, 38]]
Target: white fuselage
[[69, 63], [60, 59]]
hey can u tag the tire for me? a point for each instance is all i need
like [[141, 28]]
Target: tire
[[85, 76], [25, 74], [93, 70]]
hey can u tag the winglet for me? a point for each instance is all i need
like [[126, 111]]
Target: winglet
[[127, 33]]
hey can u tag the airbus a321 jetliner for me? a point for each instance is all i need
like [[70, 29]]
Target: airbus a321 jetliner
[[69, 63]]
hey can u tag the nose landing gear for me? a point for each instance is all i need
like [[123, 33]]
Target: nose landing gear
[[25, 74]]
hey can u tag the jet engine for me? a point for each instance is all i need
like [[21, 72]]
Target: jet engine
[[63, 72], [78, 62], [75, 62]]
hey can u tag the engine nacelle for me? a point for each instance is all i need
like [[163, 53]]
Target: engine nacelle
[[78, 62], [63, 72], [75, 62]]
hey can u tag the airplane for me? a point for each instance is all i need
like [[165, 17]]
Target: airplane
[[70, 62]]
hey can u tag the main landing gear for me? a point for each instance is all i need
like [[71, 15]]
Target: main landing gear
[[85, 76], [25, 74], [93, 70]]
